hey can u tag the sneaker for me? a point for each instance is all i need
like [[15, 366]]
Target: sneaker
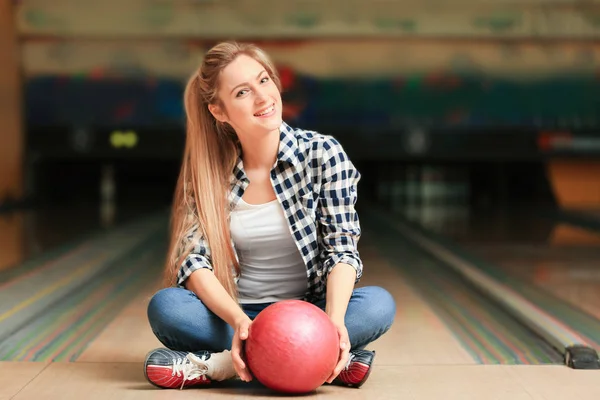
[[358, 369], [169, 369]]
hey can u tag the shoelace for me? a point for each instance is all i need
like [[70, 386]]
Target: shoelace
[[191, 367]]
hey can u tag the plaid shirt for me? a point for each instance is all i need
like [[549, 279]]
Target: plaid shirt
[[316, 184]]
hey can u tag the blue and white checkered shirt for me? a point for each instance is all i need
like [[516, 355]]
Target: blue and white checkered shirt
[[316, 184]]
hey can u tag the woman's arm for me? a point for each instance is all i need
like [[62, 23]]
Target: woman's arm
[[340, 284], [196, 274], [214, 296]]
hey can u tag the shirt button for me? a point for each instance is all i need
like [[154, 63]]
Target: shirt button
[[319, 273]]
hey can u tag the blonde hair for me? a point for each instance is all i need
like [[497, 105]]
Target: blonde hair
[[210, 154]]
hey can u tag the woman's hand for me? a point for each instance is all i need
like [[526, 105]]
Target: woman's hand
[[344, 350], [240, 334]]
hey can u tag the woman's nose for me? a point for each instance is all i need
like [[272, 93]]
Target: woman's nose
[[261, 96]]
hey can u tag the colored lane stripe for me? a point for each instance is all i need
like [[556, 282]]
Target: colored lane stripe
[[49, 290], [40, 268], [65, 320], [64, 332], [67, 325]]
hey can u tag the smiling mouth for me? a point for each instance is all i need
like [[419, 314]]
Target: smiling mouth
[[266, 111]]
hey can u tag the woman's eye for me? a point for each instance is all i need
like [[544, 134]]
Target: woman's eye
[[241, 93], [263, 80]]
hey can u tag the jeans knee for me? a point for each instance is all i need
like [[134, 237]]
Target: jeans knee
[[179, 320], [381, 307], [161, 306]]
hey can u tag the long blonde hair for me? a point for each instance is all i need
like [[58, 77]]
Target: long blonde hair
[[211, 150]]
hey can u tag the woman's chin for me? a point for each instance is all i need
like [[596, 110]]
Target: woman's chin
[[271, 123]]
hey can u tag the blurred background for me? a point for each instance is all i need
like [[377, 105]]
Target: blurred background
[[469, 103], [447, 107], [477, 120]]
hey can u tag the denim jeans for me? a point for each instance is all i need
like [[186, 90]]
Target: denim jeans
[[182, 322]]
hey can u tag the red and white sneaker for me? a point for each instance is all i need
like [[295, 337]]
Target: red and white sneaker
[[358, 369], [170, 369]]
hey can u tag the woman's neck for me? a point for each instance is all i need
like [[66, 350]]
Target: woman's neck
[[260, 152]]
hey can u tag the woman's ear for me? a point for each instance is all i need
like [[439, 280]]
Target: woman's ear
[[217, 112]]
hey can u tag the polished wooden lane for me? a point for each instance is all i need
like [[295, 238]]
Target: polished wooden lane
[[419, 358], [559, 258], [417, 337]]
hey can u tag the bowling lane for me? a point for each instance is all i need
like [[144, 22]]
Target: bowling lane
[[55, 228], [419, 336], [439, 320], [558, 258], [487, 331]]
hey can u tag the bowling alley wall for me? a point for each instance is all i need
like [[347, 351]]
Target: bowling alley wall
[[343, 63], [11, 141]]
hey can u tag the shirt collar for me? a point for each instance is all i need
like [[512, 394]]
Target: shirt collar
[[288, 145]]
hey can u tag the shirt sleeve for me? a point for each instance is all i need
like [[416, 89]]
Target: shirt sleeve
[[339, 225], [198, 258]]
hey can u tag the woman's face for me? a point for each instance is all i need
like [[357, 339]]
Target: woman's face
[[251, 101]]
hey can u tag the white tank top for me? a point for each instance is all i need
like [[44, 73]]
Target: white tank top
[[272, 268]]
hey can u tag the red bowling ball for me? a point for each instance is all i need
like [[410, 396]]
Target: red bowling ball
[[292, 347]]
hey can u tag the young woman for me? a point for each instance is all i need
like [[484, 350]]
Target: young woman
[[262, 213]]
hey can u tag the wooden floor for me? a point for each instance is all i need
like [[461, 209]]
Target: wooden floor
[[418, 359]]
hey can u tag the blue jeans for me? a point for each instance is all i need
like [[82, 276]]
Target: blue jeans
[[182, 322]]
